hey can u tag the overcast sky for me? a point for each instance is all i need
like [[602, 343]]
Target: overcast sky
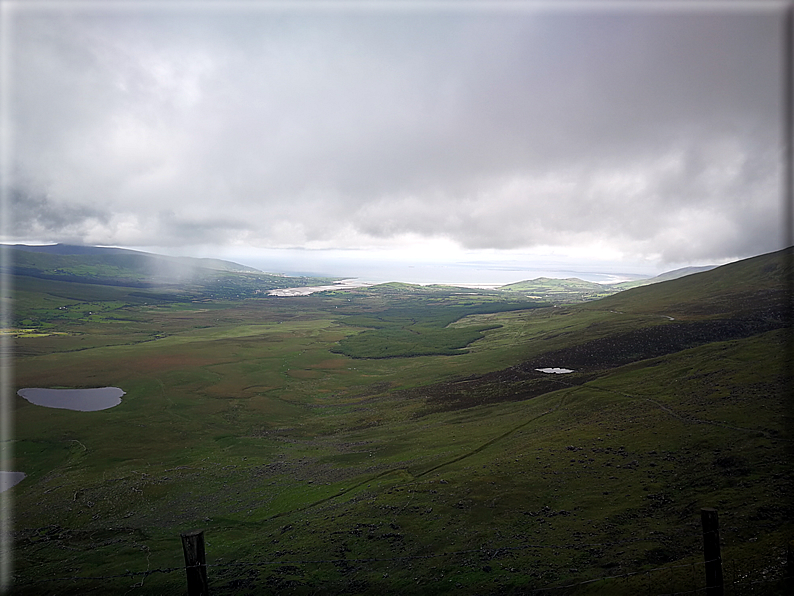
[[641, 136]]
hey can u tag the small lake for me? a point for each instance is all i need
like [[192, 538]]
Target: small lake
[[555, 370], [82, 400], [9, 479]]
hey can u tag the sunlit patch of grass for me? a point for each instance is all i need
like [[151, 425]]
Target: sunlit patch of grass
[[30, 332]]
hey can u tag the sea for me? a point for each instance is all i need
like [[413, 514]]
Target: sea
[[465, 274]]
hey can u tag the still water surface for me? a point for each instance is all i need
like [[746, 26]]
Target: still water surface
[[555, 370], [82, 400], [9, 479]]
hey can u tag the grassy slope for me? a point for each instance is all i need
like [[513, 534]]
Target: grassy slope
[[576, 290], [737, 288], [572, 283], [560, 290], [240, 420], [132, 269], [419, 325]]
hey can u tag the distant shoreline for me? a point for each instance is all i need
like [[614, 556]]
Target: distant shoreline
[[344, 284]]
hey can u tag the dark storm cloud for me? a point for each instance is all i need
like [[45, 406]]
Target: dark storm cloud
[[656, 133], [34, 216]]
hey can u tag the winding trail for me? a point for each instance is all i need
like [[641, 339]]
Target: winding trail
[[405, 471], [694, 420], [491, 442], [685, 418]]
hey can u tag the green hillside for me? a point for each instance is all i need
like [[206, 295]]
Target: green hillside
[[573, 289], [182, 277], [560, 290], [746, 287], [571, 283], [130, 256], [470, 472]]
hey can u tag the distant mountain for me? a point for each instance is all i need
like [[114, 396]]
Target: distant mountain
[[560, 291], [574, 289], [72, 249], [105, 251], [544, 283], [122, 267]]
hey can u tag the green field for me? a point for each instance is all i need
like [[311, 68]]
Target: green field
[[399, 439]]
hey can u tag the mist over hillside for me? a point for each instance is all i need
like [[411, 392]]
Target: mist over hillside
[[122, 267], [136, 259]]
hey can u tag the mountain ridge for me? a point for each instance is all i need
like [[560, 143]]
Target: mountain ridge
[[87, 250]]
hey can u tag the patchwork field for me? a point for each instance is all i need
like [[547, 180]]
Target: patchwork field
[[397, 439]]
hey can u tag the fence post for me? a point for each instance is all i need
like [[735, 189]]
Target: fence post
[[195, 563], [711, 552]]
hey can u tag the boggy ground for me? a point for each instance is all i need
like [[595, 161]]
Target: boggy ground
[[315, 473]]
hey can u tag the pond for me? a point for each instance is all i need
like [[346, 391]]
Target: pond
[[9, 479], [82, 400], [555, 370]]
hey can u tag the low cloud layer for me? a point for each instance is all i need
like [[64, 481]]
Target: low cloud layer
[[655, 134]]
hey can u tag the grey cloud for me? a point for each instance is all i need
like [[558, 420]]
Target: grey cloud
[[495, 130], [37, 217]]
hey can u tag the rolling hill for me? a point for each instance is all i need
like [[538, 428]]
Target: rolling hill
[[112, 266], [577, 290], [167, 276]]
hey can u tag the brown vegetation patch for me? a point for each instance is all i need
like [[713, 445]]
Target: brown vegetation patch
[[304, 374], [169, 362], [231, 390], [333, 336]]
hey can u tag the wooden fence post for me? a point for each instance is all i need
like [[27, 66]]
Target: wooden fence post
[[711, 552], [195, 563]]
